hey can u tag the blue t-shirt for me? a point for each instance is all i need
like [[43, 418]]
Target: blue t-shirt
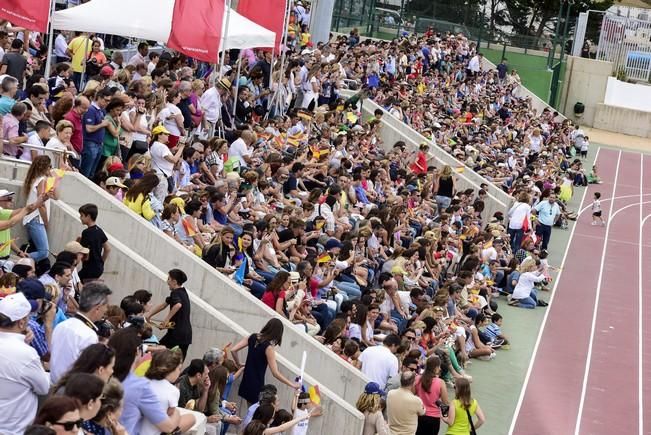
[[6, 104], [94, 116], [140, 402]]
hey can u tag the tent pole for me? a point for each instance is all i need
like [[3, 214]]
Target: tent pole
[[48, 61], [275, 99], [237, 81], [224, 38], [83, 73]]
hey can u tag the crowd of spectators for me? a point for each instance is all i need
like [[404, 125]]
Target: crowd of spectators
[[276, 180]]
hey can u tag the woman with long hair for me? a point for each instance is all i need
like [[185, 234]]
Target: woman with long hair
[[253, 281], [462, 410], [87, 389], [430, 388], [36, 222], [446, 188], [260, 354], [97, 359], [275, 295], [139, 198], [60, 413], [369, 403], [163, 372]]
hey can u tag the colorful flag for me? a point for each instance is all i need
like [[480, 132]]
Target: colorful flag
[[240, 272], [143, 365], [324, 258], [315, 394], [188, 226]]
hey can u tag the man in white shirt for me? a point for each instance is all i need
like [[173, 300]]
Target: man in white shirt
[[141, 55], [61, 48], [211, 100], [72, 336], [379, 363], [474, 66], [22, 378], [240, 148]]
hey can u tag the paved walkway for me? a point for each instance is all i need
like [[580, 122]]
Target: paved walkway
[[618, 140]]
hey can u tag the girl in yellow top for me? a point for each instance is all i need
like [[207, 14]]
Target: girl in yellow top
[[461, 408], [138, 197]]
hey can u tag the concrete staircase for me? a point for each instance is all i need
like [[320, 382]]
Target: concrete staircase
[[222, 312]]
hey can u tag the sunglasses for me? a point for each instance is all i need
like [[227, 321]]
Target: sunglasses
[[69, 425]]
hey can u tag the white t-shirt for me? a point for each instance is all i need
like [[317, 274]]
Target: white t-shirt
[[167, 117], [158, 153], [301, 427], [239, 149], [379, 364], [168, 397], [525, 284]]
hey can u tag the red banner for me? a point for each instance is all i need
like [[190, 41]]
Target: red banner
[[270, 14], [197, 28], [30, 14]]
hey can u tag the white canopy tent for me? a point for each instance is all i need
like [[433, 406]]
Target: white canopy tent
[[152, 20]]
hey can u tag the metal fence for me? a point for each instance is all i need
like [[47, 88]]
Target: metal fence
[[626, 42]]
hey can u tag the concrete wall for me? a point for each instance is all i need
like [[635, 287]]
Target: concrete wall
[[585, 81], [211, 286], [622, 120], [636, 96], [126, 272], [394, 130]]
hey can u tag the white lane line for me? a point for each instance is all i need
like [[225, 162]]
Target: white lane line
[[640, 349], [588, 359], [616, 241], [536, 346]]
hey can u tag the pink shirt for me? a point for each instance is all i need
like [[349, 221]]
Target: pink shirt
[[76, 139], [429, 399], [9, 131]]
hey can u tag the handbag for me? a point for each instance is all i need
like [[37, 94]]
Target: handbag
[[472, 425]]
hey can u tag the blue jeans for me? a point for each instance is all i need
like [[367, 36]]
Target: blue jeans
[[90, 156], [516, 238], [352, 290], [544, 231], [529, 302], [401, 322], [268, 276], [443, 202], [257, 288], [38, 236]]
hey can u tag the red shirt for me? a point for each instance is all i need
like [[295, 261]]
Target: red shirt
[[268, 298], [77, 139]]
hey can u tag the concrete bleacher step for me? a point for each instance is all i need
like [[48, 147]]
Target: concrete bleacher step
[[127, 271], [209, 285]]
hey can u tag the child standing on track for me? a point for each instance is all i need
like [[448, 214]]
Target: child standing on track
[[596, 210], [584, 147]]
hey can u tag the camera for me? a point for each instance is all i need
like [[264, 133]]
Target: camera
[[443, 407]]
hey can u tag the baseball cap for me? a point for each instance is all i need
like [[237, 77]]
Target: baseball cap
[[159, 130], [372, 388], [5, 193], [76, 248], [15, 306], [333, 243], [33, 289], [114, 181], [106, 71]]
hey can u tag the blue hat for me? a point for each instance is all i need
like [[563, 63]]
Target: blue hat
[[332, 243], [33, 289], [372, 388]]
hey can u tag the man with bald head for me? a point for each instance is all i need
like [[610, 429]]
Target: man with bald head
[[75, 115]]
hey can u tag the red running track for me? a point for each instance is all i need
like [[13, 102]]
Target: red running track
[[585, 376]]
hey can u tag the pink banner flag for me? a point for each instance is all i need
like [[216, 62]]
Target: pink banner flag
[[270, 14], [197, 28], [30, 14]]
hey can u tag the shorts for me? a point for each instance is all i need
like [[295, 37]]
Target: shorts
[[596, 214]]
